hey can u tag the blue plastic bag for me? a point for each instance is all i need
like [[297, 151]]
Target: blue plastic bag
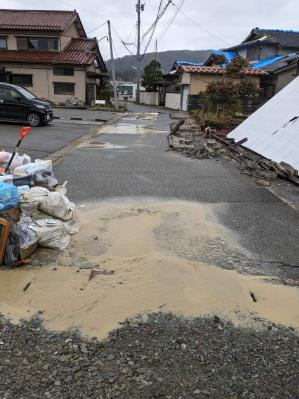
[[9, 196]]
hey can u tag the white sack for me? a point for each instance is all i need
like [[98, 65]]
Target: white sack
[[52, 234]]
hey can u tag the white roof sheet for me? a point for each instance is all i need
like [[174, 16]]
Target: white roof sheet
[[273, 130]]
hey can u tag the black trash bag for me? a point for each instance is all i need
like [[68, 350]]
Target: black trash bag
[[13, 248]]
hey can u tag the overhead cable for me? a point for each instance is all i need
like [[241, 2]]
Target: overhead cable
[[201, 27]]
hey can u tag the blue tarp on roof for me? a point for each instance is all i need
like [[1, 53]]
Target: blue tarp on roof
[[267, 61], [229, 55]]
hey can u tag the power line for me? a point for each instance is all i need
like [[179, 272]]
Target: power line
[[97, 27], [171, 21], [201, 27], [128, 37], [154, 25], [121, 40]]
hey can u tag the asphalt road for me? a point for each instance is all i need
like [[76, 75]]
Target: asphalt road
[[45, 140], [143, 167], [85, 114]]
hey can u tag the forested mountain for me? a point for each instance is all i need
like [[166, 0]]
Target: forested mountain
[[125, 66]]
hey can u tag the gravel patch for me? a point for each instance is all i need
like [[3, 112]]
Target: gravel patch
[[163, 357]]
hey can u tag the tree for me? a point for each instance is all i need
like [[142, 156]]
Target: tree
[[237, 65], [152, 75], [106, 91], [217, 59], [233, 86], [223, 92]]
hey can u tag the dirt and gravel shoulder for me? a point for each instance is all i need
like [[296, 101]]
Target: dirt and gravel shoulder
[[162, 357]]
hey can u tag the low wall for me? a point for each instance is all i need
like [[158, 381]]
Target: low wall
[[149, 98], [173, 100]]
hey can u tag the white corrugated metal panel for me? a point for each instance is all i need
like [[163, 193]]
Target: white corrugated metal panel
[[273, 130]]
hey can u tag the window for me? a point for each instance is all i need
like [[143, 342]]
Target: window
[[7, 93], [22, 80], [37, 43], [253, 53], [3, 43], [63, 71], [64, 88]]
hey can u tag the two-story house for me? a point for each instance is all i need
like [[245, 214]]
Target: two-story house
[[265, 43], [49, 53], [276, 52]]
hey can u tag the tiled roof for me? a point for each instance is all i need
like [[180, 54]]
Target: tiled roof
[[286, 38], [219, 70], [36, 20], [82, 45], [78, 52], [75, 58]]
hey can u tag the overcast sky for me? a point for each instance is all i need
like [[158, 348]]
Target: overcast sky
[[224, 22]]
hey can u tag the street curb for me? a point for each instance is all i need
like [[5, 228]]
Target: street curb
[[57, 155]]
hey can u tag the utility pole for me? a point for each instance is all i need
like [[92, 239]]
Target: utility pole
[[139, 8], [112, 66]]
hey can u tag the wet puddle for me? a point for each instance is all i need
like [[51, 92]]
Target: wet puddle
[[127, 128], [149, 116], [138, 272], [101, 145]]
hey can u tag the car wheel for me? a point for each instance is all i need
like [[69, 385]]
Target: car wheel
[[34, 119]]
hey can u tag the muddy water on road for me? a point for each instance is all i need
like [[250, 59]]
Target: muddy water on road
[[127, 128], [148, 276]]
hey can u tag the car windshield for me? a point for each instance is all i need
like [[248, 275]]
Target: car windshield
[[26, 93]]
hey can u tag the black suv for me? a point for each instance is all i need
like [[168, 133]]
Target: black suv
[[19, 104]]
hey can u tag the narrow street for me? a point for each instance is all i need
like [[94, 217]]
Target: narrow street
[[194, 289]]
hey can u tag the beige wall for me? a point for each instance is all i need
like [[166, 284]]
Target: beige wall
[[185, 78], [149, 98], [43, 78], [173, 100], [199, 82], [67, 35]]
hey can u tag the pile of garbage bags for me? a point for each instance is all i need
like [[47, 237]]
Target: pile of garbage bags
[[45, 215]]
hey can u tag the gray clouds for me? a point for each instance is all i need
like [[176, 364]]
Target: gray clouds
[[231, 20]]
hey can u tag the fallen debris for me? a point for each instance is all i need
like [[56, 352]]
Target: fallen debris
[[34, 207], [27, 286], [95, 273], [253, 296], [205, 144]]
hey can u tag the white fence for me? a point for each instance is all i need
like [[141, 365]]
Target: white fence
[[149, 98], [173, 100]]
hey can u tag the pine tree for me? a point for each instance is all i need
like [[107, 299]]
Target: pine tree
[[152, 75]]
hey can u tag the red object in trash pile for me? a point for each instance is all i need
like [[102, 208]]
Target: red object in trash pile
[[24, 131]]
